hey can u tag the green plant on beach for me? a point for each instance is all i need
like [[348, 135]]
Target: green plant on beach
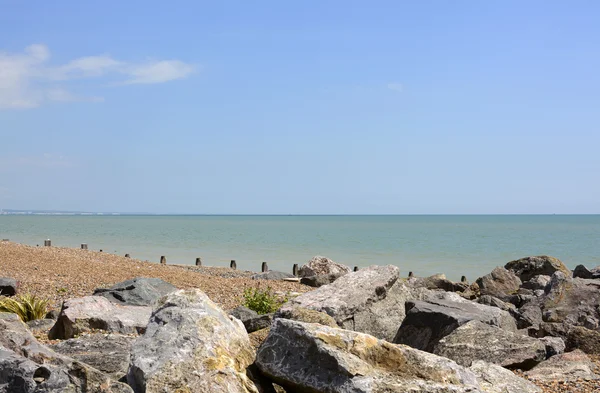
[[263, 301], [28, 306]]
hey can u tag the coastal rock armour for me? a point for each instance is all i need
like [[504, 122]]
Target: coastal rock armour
[[583, 272], [528, 267], [320, 280], [564, 367], [305, 357], [370, 300], [26, 366], [499, 283], [140, 291], [89, 313], [319, 265], [191, 345], [8, 286], [251, 320], [427, 322], [495, 379], [479, 341]]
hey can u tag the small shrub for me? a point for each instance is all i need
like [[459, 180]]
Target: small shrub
[[263, 301], [28, 307]]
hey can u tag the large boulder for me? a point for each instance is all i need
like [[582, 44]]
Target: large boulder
[[319, 265], [429, 321], [108, 353], [479, 341], [320, 280], [370, 300], [564, 367], [499, 283], [306, 315], [437, 281], [539, 282], [8, 286], [494, 378], [26, 366], [527, 268], [305, 357], [251, 320], [140, 291], [191, 345], [91, 313]]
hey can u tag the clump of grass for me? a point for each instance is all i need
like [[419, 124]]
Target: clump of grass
[[27, 306], [263, 301]]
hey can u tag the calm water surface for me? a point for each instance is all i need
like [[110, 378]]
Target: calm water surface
[[454, 245]]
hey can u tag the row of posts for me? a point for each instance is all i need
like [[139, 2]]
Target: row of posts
[[264, 267]]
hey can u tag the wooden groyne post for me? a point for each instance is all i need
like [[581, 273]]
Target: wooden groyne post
[[84, 246], [355, 268], [163, 260], [295, 270], [463, 279], [47, 243], [126, 255], [410, 275], [232, 264], [264, 267], [198, 261]]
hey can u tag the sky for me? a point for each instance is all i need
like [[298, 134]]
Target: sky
[[304, 107]]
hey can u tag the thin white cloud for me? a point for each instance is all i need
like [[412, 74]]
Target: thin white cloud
[[27, 80], [395, 86]]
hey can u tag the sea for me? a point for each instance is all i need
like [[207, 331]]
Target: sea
[[456, 245]]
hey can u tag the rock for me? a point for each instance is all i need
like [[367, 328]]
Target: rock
[[98, 313], [370, 300], [495, 302], [140, 291], [554, 345], [585, 339], [243, 313], [476, 340], [529, 315], [8, 286], [251, 320], [108, 353], [564, 367], [191, 345], [30, 367], [429, 321], [495, 379], [438, 281], [272, 275], [40, 325], [499, 283], [320, 280], [333, 360], [527, 268], [322, 266], [52, 314], [539, 282], [306, 315]]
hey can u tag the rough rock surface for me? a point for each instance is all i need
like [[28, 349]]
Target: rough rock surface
[[437, 281], [304, 357], [583, 272], [479, 341], [564, 367], [499, 283], [191, 345], [539, 282], [29, 367], [554, 345], [8, 286], [527, 268], [89, 313], [108, 353], [321, 266], [429, 321], [494, 378], [370, 300], [272, 275], [306, 315], [251, 320], [320, 280], [140, 291], [40, 325]]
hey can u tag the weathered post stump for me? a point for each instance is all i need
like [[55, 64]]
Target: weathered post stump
[[295, 270], [163, 260], [84, 246], [127, 256], [463, 279], [410, 275], [232, 264], [355, 268], [47, 243], [264, 267], [198, 261]]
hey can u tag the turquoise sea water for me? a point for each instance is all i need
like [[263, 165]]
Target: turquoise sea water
[[454, 245]]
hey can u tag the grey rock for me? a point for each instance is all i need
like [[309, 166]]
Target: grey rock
[[108, 353], [499, 283], [539, 282], [8, 286], [304, 357], [527, 268], [583, 272], [496, 379], [30, 367], [272, 275], [322, 266], [251, 320], [52, 314], [98, 313], [40, 325], [302, 314], [320, 280], [438, 281], [479, 341], [140, 291], [243, 313], [554, 345], [564, 367], [191, 345], [529, 315], [429, 321], [495, 302], [370, 300]]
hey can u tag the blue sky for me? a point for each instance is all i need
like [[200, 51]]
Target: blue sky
[[300, 107]]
